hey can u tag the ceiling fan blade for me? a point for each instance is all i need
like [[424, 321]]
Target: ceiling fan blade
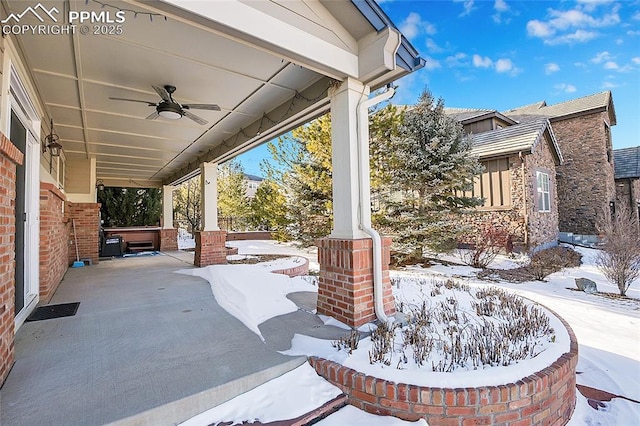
[[134, 100], [153, 116], [210, 107], [195, 118], [163, 93]]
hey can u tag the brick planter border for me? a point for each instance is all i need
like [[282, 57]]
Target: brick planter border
[[296, 271], [546, 397]]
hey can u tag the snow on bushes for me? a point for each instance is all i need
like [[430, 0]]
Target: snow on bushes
[[451, 327]]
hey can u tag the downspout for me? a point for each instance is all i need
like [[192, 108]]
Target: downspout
[[362, 125], [524, 201]]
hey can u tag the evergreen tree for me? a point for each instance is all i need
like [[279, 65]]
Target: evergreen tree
[[268, 210], [304, 175], [432, 167], [130, 206], [233, 203]]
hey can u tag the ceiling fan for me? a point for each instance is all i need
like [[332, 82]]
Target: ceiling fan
[[169, 108]]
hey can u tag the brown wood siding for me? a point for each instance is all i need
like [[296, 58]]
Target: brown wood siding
[[494, 185]]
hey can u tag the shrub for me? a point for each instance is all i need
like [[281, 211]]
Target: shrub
[[483, 246], [619, 259]]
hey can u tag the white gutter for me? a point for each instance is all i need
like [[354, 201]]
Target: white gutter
[[362, 123]]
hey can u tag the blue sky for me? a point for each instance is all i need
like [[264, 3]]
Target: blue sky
[[500, 54]]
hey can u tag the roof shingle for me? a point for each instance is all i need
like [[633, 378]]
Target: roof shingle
[[626, 162]]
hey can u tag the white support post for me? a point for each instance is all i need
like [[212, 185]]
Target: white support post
[[167, 206], [344, 159], [209, 201]]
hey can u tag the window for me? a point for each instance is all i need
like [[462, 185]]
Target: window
[[544, 197], [494, 185]]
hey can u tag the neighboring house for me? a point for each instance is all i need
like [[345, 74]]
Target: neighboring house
[[586, 184], [252, 182], [519, 177], [627, 169], [582, 180]]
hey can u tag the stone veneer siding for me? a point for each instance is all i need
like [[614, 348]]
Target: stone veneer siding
[[628, 190], [87, 219], [345, 287], [540, 229], [542, 226], [547, 397], [586, 180], [54, 237], [9, 157]]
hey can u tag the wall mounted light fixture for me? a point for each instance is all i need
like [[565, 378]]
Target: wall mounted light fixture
[[100, 185], [52, 143]]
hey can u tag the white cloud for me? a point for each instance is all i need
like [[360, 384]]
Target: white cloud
[[540, 29], [551, 67], [467, 5], [564, 87], [580, 36], [636, 60], [575, 25], [431, 63], [504, 65], [609, 85], [601, 57], [433, 47], [500, 6], [632, 33], [480, 62], [591, 5], [413, 25], [610, 65], [636, 16], [619, 41], [457, 60]]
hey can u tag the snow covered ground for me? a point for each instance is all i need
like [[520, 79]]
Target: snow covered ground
[[607, 329]]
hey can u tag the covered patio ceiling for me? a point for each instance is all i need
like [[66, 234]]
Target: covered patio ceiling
[[267, 64]]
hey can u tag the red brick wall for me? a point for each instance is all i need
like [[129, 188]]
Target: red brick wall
[[87, 218], [345, 289], [169, 239], [210, 248], [546, 397], [54, 237], [9, 157]]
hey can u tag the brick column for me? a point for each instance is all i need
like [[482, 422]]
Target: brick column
[[87, 218], [9, 157], [169, 239], [210, 248], [346, 280]]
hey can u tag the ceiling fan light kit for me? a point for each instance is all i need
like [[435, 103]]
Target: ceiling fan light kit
[[170, 108]]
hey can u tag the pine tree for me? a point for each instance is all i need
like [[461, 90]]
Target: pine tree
[[130, 206], [303, 172], [233, 203], [432, 167], [268, 210]]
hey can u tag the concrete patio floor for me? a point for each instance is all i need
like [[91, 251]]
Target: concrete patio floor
[[148, 346]]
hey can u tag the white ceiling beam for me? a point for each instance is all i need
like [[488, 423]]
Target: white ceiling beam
[[232, 18]]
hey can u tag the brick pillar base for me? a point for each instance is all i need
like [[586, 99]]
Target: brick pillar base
[[169, 239], [345, 290], [210, 248]]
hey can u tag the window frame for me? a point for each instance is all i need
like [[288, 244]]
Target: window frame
[[541, 194]]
